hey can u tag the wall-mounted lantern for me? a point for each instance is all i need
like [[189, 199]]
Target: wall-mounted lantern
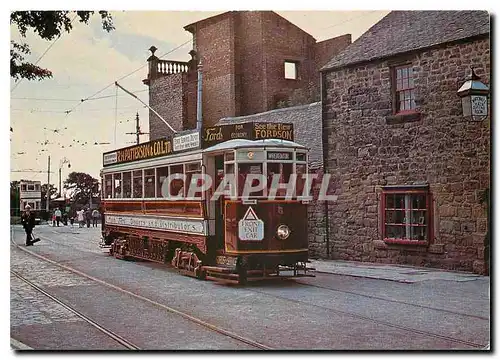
[[474, 96]]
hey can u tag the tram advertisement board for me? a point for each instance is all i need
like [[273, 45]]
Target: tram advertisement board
[[251, 131], [151, 149]]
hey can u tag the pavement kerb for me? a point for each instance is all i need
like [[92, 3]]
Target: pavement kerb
[[17, 345], [364, 276]]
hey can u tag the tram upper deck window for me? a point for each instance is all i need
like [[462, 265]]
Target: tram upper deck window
[[191, 169], [127, 184], [149, 183], [161, 176], [244, 170], [176, 183], [108, 186], [137, 183], [117, 185]]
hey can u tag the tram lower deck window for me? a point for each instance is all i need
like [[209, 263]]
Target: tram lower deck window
[[176, 183], [117, 185], [108, 186], [161, 176], [127, 184], [137, 184], [149, 183]]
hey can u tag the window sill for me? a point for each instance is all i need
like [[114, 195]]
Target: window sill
[[406, 242], [403, 117]]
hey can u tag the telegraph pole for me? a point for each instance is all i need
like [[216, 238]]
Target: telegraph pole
[[48, 188], [137, 129]]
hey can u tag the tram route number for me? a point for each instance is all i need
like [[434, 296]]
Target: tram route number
[[250, 227]]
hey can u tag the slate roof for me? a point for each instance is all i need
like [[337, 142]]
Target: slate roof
[[306, 120], [402, 31]]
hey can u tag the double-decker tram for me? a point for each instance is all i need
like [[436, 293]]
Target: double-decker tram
[[227, 203]]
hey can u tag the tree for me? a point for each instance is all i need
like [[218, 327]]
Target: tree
[[14, 198], [48, 25], [52, 193], [81, 186]]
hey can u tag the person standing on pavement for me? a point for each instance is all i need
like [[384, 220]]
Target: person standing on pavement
[[95, 216], [80, 218], [28, 222], [58, 215], [88, 216]]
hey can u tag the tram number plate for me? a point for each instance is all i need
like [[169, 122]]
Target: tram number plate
[[225, 260]]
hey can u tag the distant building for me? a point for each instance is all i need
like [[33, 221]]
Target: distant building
[[409, 169], [252, 62], [30, 194]]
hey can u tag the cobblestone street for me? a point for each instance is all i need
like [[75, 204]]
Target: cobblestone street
[[338, 311]]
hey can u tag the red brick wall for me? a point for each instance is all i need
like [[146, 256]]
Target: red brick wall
[[166, 97], [285, 41], [250, 63], [325, 50], [215, 48], [443, 149]]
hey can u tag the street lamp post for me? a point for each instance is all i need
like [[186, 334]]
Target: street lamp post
[[63, 161], [474, 95]]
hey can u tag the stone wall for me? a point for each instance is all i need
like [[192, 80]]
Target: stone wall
[[443, 149]]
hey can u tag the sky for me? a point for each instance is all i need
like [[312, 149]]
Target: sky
[[48, 116], [85, 64]]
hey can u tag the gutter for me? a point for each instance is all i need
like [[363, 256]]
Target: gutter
[[325, 157]]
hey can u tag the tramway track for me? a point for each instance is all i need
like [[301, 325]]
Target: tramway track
[[127, 344], [395, 301], [182, 314], [379, 322]]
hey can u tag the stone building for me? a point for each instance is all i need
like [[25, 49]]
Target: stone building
[[409, 169], [252, 62]]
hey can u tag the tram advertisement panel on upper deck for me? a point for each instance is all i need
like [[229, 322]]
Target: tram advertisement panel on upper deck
[[251, 131]]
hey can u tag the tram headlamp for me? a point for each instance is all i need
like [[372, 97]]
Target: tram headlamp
[[283, 232]]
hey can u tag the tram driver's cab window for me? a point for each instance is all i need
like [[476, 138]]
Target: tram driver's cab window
[[127, 184], [243, 171], [300, 170], [117, 185], [176, 184], [137, 184], [282, 171], [108, 186]]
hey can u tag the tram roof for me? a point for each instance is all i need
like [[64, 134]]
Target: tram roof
[[239, 143]]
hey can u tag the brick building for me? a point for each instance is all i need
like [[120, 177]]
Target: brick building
[[252, 61], [409, 169]]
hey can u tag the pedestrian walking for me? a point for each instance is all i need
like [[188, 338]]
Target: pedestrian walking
[[28, 222], [58, 215], [80, 218], [88, 216], [95, 217]]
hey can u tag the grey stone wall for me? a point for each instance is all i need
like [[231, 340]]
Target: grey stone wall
[[443, 149]]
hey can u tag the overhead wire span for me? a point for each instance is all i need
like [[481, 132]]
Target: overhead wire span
[[123, 77]]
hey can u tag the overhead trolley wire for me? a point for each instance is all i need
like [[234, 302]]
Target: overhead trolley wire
[[123, 77]]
